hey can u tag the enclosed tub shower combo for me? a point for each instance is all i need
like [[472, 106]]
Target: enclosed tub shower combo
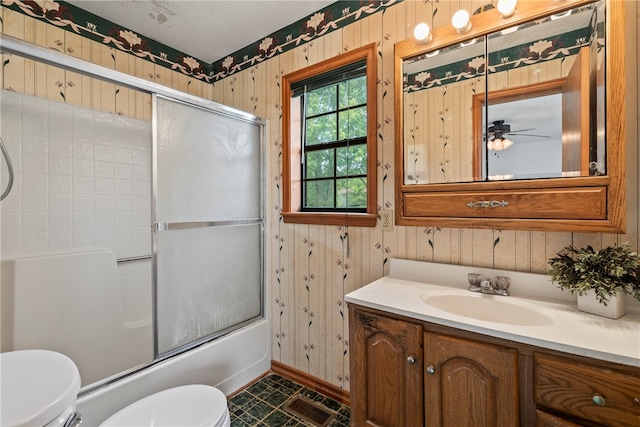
[[132, 242]]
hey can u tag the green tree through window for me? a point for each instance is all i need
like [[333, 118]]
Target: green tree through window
[[329, 141], [334, 162]]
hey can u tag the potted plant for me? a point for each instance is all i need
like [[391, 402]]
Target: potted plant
[[601, 278]]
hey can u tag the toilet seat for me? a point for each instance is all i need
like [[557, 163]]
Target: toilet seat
[[39, 387], [190, 405]]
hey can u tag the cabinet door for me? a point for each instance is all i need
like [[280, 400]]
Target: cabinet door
[[386, 371], [467, 383]]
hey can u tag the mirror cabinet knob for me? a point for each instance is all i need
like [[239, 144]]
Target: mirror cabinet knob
[[598, 400], [411, 360], [431, 370]]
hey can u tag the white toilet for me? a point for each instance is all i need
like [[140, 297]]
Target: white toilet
[[40, 387], [189, 405]]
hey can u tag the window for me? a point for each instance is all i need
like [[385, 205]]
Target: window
[[329, 150]]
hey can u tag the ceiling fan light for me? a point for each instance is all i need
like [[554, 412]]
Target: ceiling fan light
[[499, 143], [422, 33], [461, 21], [507, 7]]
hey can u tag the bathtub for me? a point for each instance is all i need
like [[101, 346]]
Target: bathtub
[[72, 302], [227, 363]]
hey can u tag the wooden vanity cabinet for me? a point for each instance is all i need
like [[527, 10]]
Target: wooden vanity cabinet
[[386, 370], [410, 373], [469, 383]]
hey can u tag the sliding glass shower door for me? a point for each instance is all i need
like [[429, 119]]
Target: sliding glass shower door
[[207, 223]]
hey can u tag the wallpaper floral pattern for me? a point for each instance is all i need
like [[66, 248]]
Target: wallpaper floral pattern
[[70, 18], [311, 268], [542, 50]]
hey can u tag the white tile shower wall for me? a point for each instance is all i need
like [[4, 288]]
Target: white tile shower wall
[[82, 179], [134, 278]]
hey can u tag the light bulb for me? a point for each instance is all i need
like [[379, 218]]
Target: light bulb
[[461, 21], [422, 32], [507, 7]]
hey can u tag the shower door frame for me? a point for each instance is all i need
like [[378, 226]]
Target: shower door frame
[[164, 226], [12, 46]]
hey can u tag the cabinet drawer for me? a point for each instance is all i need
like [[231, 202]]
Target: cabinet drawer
[[547, 420], [602, 395], [551, 203]]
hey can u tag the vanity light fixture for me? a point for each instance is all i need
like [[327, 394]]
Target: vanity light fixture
[[461, 21], [422, 33], [507, 7]]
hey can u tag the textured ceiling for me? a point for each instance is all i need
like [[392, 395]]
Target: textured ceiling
[[205, 29]]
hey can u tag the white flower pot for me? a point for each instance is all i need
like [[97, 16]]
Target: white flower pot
[[615, 307]]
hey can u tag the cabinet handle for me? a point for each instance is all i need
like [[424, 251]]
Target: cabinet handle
[[598, 400], [431, 370], [411, 360], [488, 204]]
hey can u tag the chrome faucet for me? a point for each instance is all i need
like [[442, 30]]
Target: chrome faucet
[[499, 286], [486, 287]]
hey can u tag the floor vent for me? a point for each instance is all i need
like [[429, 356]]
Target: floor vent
[[310, 411]]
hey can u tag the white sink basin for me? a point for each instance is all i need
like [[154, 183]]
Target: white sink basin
[[489, 308]]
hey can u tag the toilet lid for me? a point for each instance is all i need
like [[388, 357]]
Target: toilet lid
[[37, 387], [190, 405]]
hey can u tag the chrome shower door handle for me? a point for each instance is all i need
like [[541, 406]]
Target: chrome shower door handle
[[7, 159]]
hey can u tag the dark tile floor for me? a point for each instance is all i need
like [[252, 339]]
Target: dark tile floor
[[263, 404]]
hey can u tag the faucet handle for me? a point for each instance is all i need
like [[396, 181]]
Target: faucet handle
[[502, 284], [475, 279]]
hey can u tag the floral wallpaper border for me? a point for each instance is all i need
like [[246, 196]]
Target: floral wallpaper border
[[331, 18], [541, 50], [86, 24], [76, 20]]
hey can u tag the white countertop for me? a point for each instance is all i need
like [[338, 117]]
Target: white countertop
[[567, 329]]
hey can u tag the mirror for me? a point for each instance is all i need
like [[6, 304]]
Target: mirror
[[524, 102], [464, 103]]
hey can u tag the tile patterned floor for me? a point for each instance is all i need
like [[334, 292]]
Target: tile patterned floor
[[263, 403]]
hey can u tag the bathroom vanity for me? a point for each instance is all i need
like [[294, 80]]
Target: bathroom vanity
[[423, 353]]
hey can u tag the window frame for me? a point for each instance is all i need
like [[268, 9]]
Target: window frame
[[292, 144]]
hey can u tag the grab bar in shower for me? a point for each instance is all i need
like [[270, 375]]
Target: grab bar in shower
[[5, 153], [133, 258]]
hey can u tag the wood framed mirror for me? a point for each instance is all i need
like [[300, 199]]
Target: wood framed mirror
[[581, 188]]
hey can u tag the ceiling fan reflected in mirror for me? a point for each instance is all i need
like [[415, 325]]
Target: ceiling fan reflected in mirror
[[497, 140]]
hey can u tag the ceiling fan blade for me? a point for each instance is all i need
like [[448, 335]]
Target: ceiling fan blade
[[521, 130], [528, 134]]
